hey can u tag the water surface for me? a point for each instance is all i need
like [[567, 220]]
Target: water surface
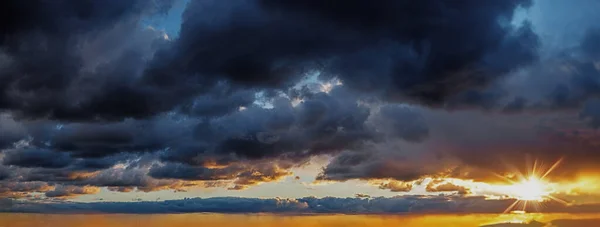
[[270, 220]]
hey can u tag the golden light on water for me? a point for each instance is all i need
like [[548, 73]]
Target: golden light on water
[[267, 220]]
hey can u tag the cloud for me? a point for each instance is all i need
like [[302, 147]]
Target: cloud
[[564, 81], [62, 60], [384, 161], [36, 158], [402, 122], [70, 191], [377, 51], [91, 97], [441, 186], [360, 195], [380, 205], [396, 186], [256, 176], [22, 189], [10, 131], [475, 145]]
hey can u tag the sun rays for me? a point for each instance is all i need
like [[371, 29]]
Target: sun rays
[[531, 189]]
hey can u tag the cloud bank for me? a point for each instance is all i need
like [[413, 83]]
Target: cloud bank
[[307, 205], [92, 98]]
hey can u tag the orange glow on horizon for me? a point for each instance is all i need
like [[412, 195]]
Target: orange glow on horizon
[[267, 220]]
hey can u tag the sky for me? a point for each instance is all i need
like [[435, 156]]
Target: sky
[[308, 106]]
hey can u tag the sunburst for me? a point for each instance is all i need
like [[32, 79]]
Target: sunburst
[[531, 189]]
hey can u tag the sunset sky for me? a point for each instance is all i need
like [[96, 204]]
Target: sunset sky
[[300, 106]]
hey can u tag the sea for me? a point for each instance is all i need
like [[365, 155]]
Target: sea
[[296, 220]]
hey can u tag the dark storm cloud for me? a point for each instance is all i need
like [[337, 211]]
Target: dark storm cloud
[[60, 58], [88, 98], [396, 49], [5, 173], [322, 124], [389, 157], [591, 113], [242, 175], [90, 164], [98, 140], [383, 162], [126, 180], [242, 147], [186, 172], [564, 81], [402, 122], [221, 100], [61, 17], [515, 106], [120, 174], [10, 131], [582, 86], [475, 145], [36, 158]]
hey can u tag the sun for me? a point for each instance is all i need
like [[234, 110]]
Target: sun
[[531, 189]]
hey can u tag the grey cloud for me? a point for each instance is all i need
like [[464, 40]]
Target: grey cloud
[[385, 161], [516, 105], [50, 71], [474, 145], [381, 205], [161, 152], [28, 157], [98, 140], [260, 174], [70, 191], [11, 131], [402, 122], [22, 189], [221, 100], [378, 51], [322, 124], [5, 173], [240, 175], [591, 44], [591, 113], [563, 81], [186, 172]]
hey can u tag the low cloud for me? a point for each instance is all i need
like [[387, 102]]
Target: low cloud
[[381, 205], [71, 191], [396, 186], [441, 186]]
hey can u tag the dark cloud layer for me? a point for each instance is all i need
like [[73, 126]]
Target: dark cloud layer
[[59, 61], [420, 51], [90, 97]]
